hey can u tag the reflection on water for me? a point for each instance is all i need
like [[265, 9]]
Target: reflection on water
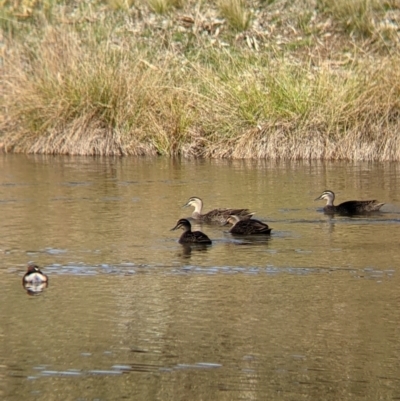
[[309, 313], [34, 288], [187, 249]]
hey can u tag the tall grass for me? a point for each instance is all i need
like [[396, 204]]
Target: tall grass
[[72, 90], [109, 87], [236, 12]]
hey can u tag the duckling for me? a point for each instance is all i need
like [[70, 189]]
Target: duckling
[[189, 236], [247, 227], [34, 275], [349, 207], [217, 215]]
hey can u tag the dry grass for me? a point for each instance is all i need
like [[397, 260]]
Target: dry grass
[[163, 6], [99, 83], [71, 100], [236, 13], [123, 5], [357, 16]]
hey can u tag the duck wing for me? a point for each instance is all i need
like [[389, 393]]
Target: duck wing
[[359, 207], [194, 237], [250, 227], [221, 215]]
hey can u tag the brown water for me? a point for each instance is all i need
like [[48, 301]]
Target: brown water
[[310, 314]]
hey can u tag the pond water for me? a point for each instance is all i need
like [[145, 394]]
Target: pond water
[[311, 313]]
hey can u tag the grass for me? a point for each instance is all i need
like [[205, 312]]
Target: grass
[[357, 16], [124, 78], [159, 6], [236, 13]]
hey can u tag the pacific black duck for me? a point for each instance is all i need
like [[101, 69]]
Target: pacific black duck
[[217, 215], [34, 275], [247, 227], [189, 236], [349, 207]]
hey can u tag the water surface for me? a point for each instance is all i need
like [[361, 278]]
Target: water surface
[[309, 313]]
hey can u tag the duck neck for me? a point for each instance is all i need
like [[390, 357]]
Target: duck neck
[[235, 221], [329, 202], [198, 207]]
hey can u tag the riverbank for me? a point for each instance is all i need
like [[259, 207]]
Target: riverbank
[[260, 79]]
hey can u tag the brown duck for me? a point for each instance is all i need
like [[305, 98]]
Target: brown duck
[[248, 227], [349, 207], [189, 236], [217, 215]]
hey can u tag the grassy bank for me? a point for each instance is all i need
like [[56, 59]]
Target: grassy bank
[[306, 79]]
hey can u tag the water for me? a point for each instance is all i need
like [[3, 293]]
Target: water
[[311, 313]]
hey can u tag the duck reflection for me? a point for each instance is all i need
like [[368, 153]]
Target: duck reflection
[[187, 250], [34, 288], [256, 240]]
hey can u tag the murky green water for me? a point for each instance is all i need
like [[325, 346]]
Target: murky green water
[[309, 314]]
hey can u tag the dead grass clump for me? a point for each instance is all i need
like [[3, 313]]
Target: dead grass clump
[[73, 139]]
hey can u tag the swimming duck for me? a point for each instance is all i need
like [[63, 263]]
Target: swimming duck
[[189, 236], [34, 275], [216, 215], [349, 207], [247, 227]]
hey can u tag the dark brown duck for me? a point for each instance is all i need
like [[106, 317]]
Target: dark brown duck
[[189, 236], [248, 227], [349, 207]]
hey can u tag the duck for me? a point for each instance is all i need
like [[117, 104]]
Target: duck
[[247, 227], [189, 236], [349, 207], [217, 215], [34, 275]]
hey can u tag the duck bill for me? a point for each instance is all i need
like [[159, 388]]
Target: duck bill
[[172, 229], [319, 198]]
